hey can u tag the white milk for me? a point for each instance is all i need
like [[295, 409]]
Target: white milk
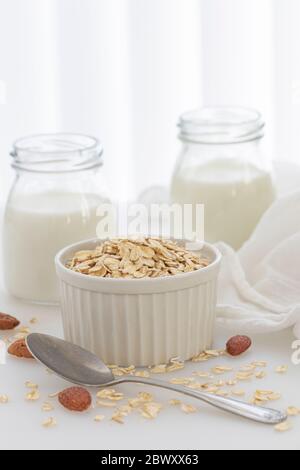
[[36, 228], [235, 196]]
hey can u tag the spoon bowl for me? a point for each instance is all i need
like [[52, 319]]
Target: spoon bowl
[[69, 361]]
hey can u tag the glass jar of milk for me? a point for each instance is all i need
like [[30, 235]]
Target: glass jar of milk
[[53, 203], [222, 166]]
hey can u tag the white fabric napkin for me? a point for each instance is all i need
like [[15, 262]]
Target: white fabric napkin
[[259, 288]]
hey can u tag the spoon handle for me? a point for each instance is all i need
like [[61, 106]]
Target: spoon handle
[[246, 410]]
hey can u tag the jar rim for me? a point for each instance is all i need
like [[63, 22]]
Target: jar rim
[[56, 153], [221, 125]]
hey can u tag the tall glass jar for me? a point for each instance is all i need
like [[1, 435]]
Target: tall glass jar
[[53, 202], [222, 166]]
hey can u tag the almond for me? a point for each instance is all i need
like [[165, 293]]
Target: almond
[[238, 345], [7, 322], [19, 349], [75, 399]]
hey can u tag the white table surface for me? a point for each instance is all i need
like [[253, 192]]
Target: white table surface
[[207, 429]]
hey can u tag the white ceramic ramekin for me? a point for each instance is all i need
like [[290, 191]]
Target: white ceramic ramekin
[[141, 321]]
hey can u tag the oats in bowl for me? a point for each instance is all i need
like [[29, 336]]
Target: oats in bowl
[[136, 259]]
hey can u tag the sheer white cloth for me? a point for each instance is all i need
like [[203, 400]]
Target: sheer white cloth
[[259, 288]]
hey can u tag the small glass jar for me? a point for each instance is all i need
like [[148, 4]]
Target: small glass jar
[[222, 166], [58, 188]]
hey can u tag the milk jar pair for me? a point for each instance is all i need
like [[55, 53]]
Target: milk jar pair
[[59, 189]]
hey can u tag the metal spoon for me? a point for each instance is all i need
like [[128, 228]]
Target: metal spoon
[[84, 368]]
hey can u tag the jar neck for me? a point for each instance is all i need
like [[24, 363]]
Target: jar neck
[[226, 148], [221, 126], [56, 154], [253, 152]]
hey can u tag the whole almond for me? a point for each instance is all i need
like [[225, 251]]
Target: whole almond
[[7, 322], [237, 345], [19, 349], [75, 399]]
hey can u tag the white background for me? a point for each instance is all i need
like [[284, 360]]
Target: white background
[[124, 70]]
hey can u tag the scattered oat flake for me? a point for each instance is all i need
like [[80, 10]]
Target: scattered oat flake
[[47, 407], [281, 369], [53, 395], [202, 357], [263, 396], [120, 371], [24, 329], [264, 392], [261, 375], [29, 384], [212, 390], [293, 411], [248, 368], [219, 370], [197, 386], [145, 396], [175, 360], [182, 380], [207, 385], [283, 427], [121, 413], [231, 383], [118, 417], [33, 321], [174, 402], [215, 352], [220, 384], [105, 393], [134, 402], [244, 375], [257, 402], [99, 418], [125, 410], [110, 394], [105, 404], [34, 395], [49, 423], [274, 396], [117, 372], [188, 409], [142, 373], [206, 355], [201, 374], [150, 410], [4, 399], [260, 364], [238, 393], [175, 366], [222, 393], [160, 369]]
